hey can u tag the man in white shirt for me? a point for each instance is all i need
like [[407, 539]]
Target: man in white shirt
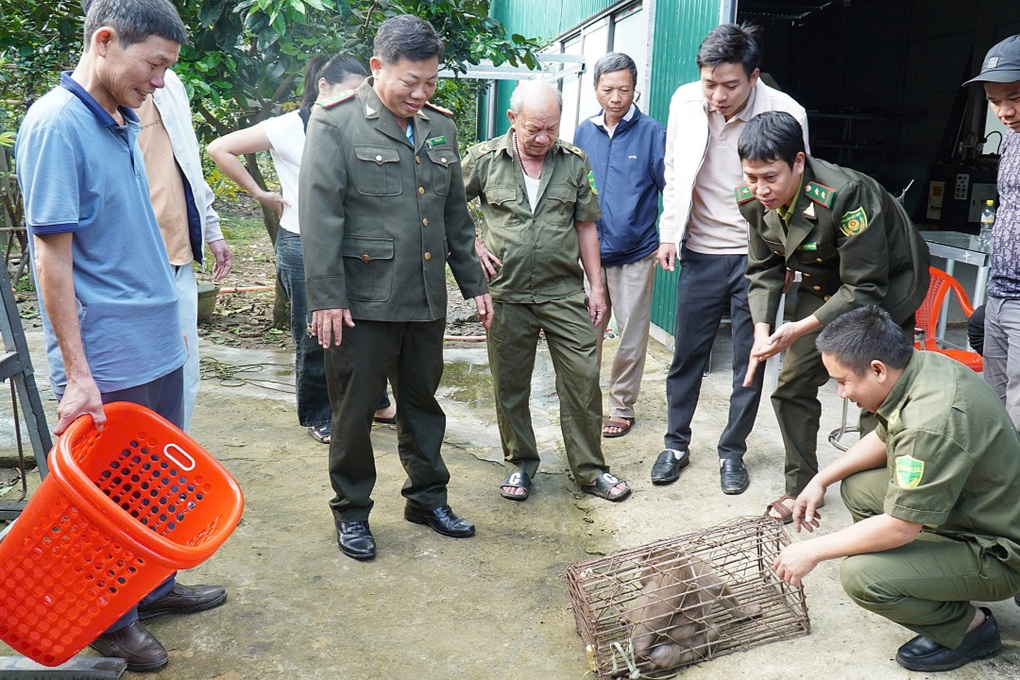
[[702, 227]]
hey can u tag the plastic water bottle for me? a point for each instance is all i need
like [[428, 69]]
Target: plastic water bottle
[[987, 221]]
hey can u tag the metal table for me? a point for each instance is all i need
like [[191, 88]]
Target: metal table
[[956, 246]]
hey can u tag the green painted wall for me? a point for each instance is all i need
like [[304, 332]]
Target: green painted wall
[[546, 18], [679, 29]]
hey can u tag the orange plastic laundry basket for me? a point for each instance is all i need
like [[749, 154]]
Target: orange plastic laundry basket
[[120, 511]]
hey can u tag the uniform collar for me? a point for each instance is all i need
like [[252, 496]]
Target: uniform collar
[[371, 103], [506, 145]]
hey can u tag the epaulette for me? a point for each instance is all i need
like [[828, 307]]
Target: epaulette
[[820, 194], [743, 194], [440, 109], [577, 151], [336, 99]]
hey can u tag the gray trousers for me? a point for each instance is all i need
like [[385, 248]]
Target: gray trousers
[[927, 584], [1002, 353], [705, 284], [628, 290]]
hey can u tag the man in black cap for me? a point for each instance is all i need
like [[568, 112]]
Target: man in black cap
[[1000, 75]]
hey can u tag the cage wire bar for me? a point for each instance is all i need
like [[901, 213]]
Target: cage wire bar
[[649, 610]]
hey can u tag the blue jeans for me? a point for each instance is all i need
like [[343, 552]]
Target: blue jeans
[[309, 371], [313, 407]]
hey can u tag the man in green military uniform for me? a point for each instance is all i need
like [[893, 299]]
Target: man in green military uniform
[[852, 243], [540, 206], [382, 213], [932, 492]]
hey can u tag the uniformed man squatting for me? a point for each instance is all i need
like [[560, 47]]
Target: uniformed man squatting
[[854, 245], [932, 492], [382, 212]]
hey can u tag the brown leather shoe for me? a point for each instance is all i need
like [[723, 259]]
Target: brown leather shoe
[[184, 600], [135, 645]]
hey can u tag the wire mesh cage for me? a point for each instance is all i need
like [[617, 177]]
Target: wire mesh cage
[[644, 612]]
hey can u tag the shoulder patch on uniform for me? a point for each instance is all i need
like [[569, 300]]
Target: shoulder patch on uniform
[[743, 194], [336, 99], [820, 194], [440, 109], [909, 471], [853, 222], [591, 182]]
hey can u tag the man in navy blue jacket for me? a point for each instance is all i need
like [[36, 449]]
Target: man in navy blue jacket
[[626, 149]]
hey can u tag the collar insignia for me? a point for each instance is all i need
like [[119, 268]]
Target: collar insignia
[[820, 194], [743, 194]]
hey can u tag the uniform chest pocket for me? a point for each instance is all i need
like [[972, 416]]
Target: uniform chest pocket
[[368, 268], [500, 195], [441, 161], [560, 202], [378, 170], [813, 255]]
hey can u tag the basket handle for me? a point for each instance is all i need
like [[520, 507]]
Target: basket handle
[[173, 459]]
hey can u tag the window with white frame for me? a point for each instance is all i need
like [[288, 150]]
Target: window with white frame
[[624, 29]]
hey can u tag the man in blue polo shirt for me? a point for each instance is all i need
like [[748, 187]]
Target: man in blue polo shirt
[[108, 301], [626, 149]]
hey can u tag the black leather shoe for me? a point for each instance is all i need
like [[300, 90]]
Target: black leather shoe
[[135, 645], [441, 520], [667, 467], [924, 654], [184, 600], [733, 476], [355, 540]]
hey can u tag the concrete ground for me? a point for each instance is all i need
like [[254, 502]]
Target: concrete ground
[[496, 605]]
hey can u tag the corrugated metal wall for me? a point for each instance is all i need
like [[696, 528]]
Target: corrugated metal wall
[[679, 29], [543, 19]]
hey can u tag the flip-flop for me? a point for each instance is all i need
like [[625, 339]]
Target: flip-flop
[[518, 479], [603, 488], [621, 423], [320, 433], [385, 421]]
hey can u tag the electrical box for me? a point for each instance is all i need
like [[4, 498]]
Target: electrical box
[[956, 194]]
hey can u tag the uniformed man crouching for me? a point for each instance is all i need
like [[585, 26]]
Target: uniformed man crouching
[[383, 212], [932, 492], [853, 244]]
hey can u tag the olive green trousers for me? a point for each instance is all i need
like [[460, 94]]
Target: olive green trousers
[[512, 344], [926, 585]]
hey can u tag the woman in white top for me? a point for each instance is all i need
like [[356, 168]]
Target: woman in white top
[[284, 137]]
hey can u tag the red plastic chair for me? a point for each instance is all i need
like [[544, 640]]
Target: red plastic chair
[[927, 318]]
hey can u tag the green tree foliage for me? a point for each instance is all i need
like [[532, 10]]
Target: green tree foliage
[[245, 58]]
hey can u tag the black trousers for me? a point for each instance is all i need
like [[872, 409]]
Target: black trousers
[[410, 355]]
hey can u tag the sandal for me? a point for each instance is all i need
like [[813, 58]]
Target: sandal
[[518, 479], [603, 488], [620, 423], [320, 433], [784, 511]]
